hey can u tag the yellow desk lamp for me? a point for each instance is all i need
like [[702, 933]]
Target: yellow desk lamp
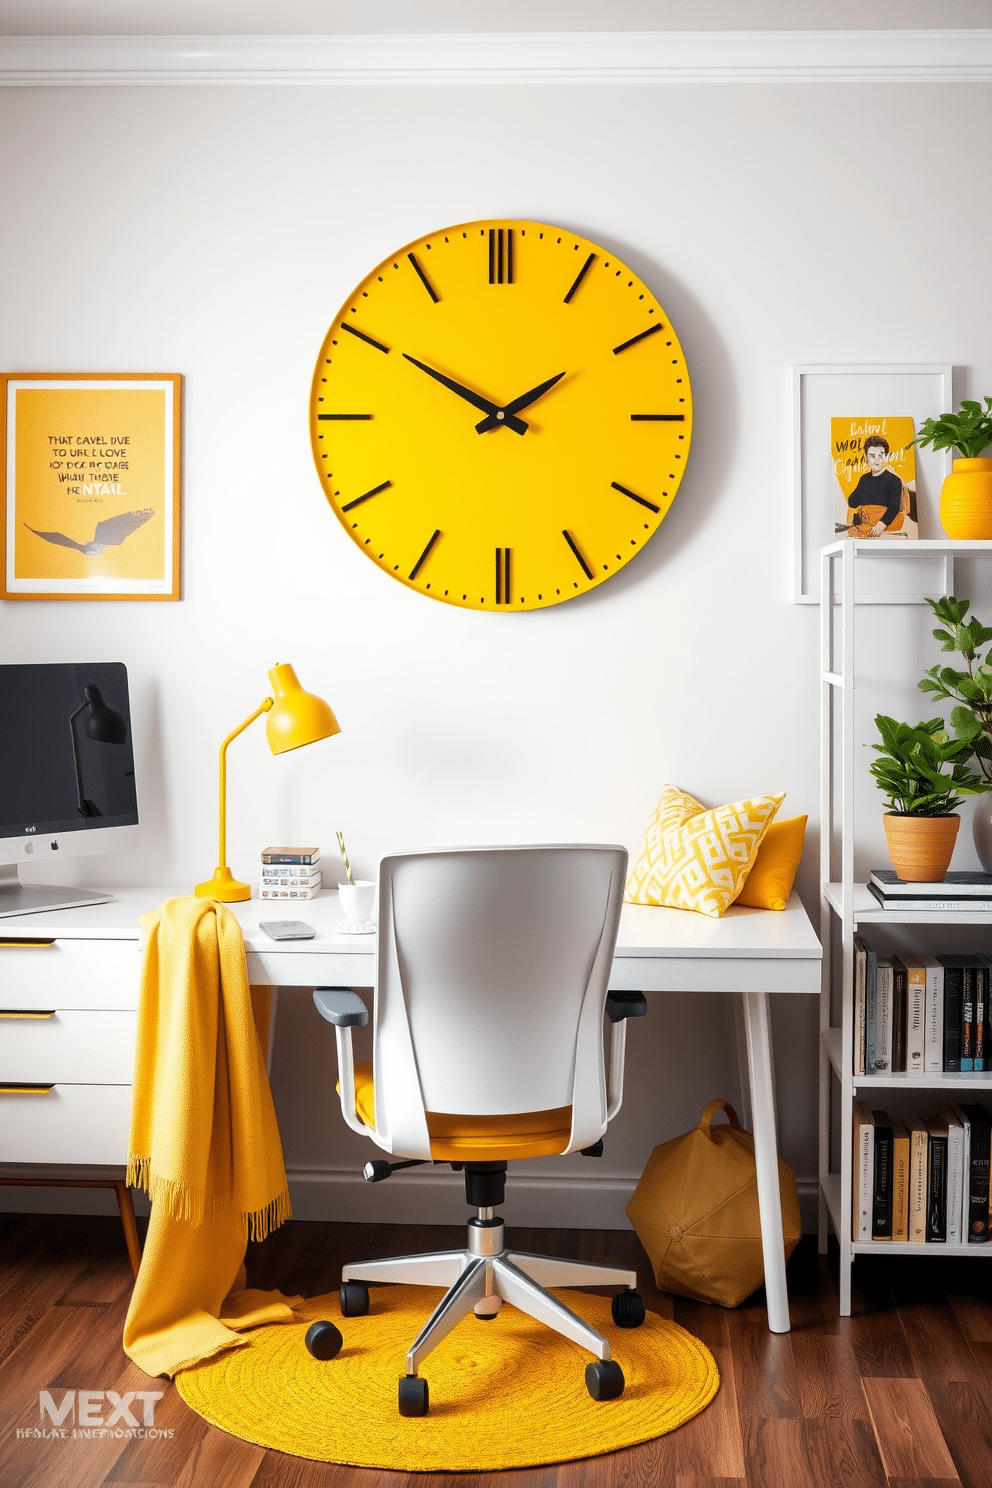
[[295, 718]]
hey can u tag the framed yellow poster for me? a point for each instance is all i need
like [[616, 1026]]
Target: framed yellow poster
[[91, 485]]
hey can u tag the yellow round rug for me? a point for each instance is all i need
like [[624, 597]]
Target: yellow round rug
[[503, 1394]]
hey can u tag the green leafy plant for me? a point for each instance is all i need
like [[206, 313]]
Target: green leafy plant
[[969, 431], [922, 770], [971, 690]]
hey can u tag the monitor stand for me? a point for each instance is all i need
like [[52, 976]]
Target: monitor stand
[[17, 898]]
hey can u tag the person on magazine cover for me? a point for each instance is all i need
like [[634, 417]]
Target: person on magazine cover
[[878, 487]]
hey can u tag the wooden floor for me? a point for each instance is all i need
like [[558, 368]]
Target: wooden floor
[[898, 1394]]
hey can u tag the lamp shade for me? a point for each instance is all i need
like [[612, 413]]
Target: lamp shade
[[104, 723], [296, 717]]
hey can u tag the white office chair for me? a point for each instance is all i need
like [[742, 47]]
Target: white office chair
[[491, 984]]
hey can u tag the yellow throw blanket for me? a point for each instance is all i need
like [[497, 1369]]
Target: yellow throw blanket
[[204, 1140]]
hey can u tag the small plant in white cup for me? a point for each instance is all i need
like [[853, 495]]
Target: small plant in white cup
[[357, 898]]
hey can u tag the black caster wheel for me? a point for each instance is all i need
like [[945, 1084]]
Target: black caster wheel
[[354, 1297], [323, 1340], [628, 1309], [604, 1379], [414, 1396]]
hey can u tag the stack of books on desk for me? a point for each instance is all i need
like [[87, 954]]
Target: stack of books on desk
[[954, 893], [290, 873], [922, 1180]]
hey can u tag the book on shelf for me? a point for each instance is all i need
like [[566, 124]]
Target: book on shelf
[[273, 891], [981, 1015], [952, 886], [289, 855], [967, 1018], [955, 1179], [900, 1181], [871, 991], [919, 1149], [960, 1113], [933, 903], [898, 1016], [295, 878], [933, 1043], [916, 1016], [936, 1218], [977, 1197], [881, 1193], [879, 1059], [863, 1172], [953, 988], [860, 979]]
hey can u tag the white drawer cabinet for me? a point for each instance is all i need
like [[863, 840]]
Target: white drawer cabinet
[[68, 1012]]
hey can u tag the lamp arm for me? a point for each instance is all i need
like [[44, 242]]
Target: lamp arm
[[263, 707], [75, 754]]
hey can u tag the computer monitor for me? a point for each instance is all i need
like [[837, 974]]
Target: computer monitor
[[66, 775]]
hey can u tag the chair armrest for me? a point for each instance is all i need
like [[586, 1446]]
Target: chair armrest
[[620, 1005], [341, 1006], [345, 1010]]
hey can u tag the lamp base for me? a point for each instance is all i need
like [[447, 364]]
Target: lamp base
[[223, 886]]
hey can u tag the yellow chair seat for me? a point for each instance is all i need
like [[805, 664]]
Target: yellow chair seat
[[479, 1138]]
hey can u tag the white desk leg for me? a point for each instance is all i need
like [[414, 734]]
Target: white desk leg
[[758, 1028], [273, 999]]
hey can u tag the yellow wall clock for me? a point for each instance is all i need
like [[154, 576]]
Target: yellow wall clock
[[501, 415]]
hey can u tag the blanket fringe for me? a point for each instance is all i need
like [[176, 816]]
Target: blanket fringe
[[193, 1207]]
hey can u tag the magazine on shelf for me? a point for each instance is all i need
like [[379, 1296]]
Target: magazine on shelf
[[952, 886], [954, 904]]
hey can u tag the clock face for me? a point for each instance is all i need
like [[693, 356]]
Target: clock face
[[501, 415]]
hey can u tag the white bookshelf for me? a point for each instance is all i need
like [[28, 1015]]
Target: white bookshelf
[[847, 905]]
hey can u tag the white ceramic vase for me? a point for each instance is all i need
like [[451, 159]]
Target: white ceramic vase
[[981, 830]]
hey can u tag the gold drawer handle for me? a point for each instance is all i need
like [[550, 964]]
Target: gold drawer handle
[[25, 1089], [17, 1013], [26, 944]]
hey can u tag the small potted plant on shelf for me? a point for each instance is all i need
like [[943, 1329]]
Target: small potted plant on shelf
[[923, 774], [971, 692], [966, 495]]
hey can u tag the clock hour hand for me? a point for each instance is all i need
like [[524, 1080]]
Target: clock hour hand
[[476, 399], [524, 401]]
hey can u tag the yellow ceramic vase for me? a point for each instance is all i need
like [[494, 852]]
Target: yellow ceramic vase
[[966, 499]]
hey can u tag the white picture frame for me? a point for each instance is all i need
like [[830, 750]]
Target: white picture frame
[[821, 392]]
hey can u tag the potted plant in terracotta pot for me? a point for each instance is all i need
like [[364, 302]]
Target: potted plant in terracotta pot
[[966, 495], [923, 774], [971, 692]]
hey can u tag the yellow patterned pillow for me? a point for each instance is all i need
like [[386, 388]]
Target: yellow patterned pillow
[[696, 859]]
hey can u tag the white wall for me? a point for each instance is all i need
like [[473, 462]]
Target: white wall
[[215, 232]]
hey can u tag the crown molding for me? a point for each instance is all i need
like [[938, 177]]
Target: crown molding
[[58, 61]]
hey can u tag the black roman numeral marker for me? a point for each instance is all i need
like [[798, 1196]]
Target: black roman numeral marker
[[368, 494], [634, 339], [501, 255], [371, 341], [420, 561], [581, 561], [657, 418], [503, 575], [344, 415], [640, 499], [423, 278], [579, 277]]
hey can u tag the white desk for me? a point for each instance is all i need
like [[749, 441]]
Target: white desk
[[753, 953]]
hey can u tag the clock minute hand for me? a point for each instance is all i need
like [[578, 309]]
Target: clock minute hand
[[524, 401], [476, 399]]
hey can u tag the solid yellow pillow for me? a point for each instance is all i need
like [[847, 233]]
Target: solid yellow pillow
[[696, 859], [769, 882]]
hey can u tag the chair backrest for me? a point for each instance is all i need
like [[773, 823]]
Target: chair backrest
[[491, 977]]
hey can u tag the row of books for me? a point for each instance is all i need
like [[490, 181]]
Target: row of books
[[967, 892], [290, 873], [922, 1180], [920, 1012]]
